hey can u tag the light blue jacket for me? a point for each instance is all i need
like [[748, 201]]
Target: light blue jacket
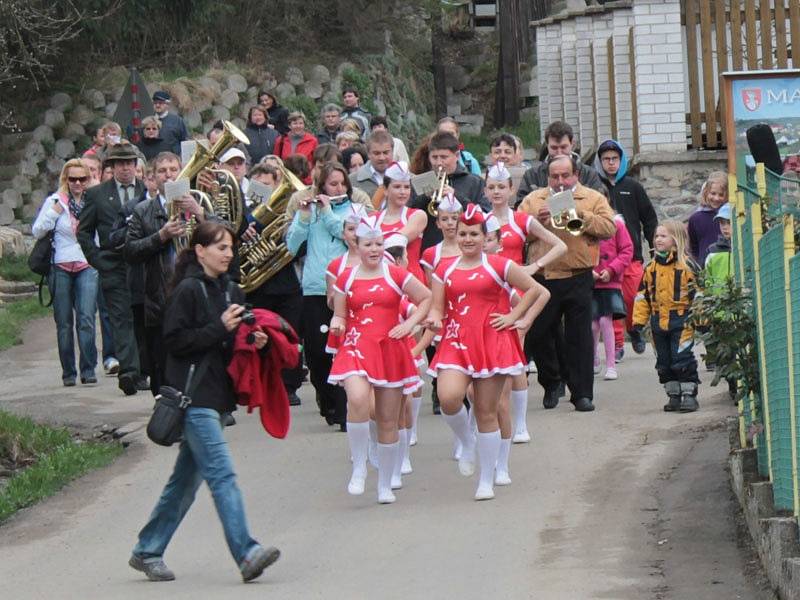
[[323, 233]]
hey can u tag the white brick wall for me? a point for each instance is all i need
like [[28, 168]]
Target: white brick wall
[[660, 83]]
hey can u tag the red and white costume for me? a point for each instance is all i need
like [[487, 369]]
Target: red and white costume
[[373, 309], [432, 257], [469, 343], [335, 268], [513, 235], [413, 249]]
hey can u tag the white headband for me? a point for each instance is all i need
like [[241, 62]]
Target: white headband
[[450, 204], [398, 171], [498, 172]]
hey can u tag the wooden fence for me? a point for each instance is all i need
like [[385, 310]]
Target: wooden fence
[[732, 35]]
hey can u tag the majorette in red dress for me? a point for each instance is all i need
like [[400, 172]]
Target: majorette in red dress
[[513, 235], [469, 343], [335, 268], [373, 309], [414, 249]]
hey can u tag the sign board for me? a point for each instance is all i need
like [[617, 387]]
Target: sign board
[[756, 97]]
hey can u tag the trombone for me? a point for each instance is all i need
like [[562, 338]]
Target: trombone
[[433, 205]]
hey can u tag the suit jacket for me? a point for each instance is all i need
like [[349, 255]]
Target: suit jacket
[[100, 215]]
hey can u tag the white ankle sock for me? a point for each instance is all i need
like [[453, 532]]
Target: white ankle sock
[[488, 451], [397, 471], [416, 402], [387, 456], [358, 437], [519, 400], [373, 443], [502, 462]]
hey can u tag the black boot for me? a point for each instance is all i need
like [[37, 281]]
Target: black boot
[[689, 397], [551, 397], [673, 389]]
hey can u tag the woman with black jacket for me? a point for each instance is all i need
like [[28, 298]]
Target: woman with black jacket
[[278, 115], [262, 136], [202, 315]]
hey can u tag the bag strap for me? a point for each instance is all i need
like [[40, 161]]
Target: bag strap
[[195, 376], [41, 302]]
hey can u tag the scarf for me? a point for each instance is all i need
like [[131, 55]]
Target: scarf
[[74, 209]]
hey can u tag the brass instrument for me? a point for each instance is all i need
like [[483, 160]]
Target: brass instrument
[[225, 199], [433, 205], [568, 221], [261, 258], [189, 221]]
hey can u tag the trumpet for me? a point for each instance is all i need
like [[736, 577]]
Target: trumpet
[[433, 205], [568, 221]]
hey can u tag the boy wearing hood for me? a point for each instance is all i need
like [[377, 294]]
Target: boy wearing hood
[[628, 198]]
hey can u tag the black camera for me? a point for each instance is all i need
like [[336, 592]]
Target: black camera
[[247, 315]]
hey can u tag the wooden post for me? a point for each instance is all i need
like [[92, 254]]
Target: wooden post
[[736, 34], [794, 19], [722, 63], [780, 35], [509, 44], [766, 35], [439, 73], [709, 102], [694, 77], [634, 107], [612, 87]]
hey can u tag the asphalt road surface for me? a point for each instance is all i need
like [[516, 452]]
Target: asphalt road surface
[[624, 503]]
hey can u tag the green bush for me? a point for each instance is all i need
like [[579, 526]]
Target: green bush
[[13, 318], [305, 105], [360, 81], [15, 268]]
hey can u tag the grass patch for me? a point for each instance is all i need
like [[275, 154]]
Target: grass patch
[[14, 317], [15, 268], [41, 460], [527, 130]]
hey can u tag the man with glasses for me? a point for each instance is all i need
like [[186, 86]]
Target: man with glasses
[[331, 124], [628, 198], [103, 206]]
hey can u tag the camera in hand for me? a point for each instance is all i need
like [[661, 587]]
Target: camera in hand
[[247, 315]]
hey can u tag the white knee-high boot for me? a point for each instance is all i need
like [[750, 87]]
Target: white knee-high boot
[[387, 456], [459, 423], [488, 450], [358, 436]]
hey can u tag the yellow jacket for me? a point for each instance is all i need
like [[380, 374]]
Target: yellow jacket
[[667, 290], [583, 251]]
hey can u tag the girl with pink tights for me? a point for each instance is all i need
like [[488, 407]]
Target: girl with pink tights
[[607, 304]]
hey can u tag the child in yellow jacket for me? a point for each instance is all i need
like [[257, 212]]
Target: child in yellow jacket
[[664, 301]]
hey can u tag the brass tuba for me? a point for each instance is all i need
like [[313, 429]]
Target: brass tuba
[[190, 221], [433, 205], [224, 200], [261, 258]]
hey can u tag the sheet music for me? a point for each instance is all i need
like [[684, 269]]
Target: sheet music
[[425, 184], [176, 189], [560, 202]]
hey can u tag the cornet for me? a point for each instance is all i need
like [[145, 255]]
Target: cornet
[[568, 221], [433, 205]]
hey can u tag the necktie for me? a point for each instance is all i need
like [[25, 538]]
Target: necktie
[[127, 189]]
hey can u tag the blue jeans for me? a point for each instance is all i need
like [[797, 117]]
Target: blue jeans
[[203, 455], [74, 304], [105, 326]]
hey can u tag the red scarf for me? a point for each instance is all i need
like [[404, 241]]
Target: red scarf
[[256, 374]]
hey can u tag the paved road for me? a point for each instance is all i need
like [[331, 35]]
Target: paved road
[[624, 503]]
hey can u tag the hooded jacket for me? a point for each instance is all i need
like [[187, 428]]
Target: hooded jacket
[[616, 253], [262, 140], [629, 198], [719, 264], [666, 292]]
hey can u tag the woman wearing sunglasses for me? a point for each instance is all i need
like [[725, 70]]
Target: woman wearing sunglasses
[[72, 282]]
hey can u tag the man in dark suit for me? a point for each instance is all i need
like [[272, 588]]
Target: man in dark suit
[[100, 216]]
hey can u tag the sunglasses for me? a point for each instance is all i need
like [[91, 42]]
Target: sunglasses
[[83, 179]]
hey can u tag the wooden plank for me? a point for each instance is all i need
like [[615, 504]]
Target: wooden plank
[[612, 87], [750, 32], [694, 78], [736, 34], [794, 17], [766, 35], [595, 125], [634, 107], [722, 61], [708, 74], [509, 42], [782, 61]]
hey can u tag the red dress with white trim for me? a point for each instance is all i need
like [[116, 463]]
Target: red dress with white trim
[[513, 235], [414, 249], [432, 257], [373, 309], [334, 269], [469, 343]]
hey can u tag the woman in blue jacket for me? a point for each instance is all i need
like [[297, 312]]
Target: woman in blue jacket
[[318, 223]]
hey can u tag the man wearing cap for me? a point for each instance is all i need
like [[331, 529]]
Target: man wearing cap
[[102, 210], [173, 129]]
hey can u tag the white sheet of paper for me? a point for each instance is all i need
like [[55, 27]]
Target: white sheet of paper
[[425, 184], [188, 148], [176, 189], [560, 202]]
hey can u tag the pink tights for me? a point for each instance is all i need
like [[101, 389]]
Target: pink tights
[[604, 325]]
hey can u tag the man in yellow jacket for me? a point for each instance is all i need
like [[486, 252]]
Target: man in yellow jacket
[[570, 283]]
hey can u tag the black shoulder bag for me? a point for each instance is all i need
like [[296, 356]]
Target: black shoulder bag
[[165, 426], [40, 261]]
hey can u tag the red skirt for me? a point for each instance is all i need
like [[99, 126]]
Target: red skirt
[[478, 351], [383, 361]]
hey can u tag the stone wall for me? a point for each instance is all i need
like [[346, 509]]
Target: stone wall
[[673, 179], [31, 162]]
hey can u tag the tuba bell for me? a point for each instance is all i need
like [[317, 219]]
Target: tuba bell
[[433, 205], [568, 221], [261, 258]]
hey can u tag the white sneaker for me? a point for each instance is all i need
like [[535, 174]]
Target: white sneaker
[[502, 478], [596, 368], [521, 437], [386, 497], [406, 468], [356, 485], [611, 374], [111, 366], [397, 483], [484, 493]]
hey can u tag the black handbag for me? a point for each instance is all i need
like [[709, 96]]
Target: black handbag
[[40, 261], [165, 426]]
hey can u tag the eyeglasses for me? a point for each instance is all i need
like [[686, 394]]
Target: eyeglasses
[[83, 179]]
